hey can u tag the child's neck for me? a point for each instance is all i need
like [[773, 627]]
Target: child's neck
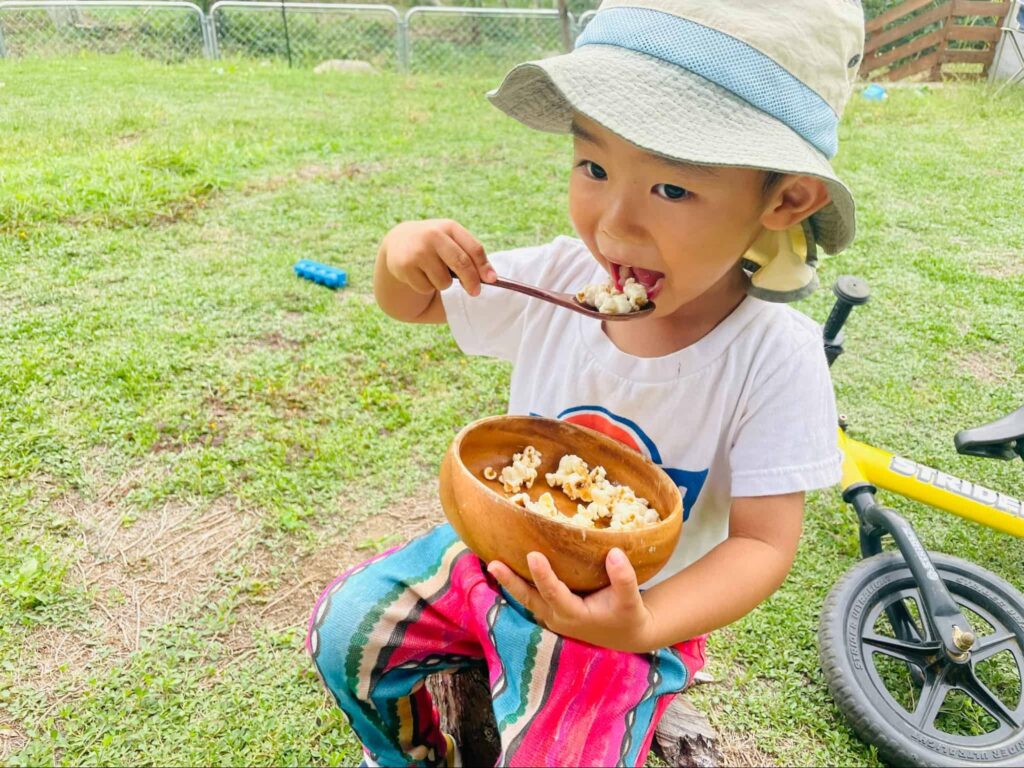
[[660, 336]]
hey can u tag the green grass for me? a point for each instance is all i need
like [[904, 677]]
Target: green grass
[[155, 350]]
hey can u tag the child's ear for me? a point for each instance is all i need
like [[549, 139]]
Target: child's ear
[[794, 199]]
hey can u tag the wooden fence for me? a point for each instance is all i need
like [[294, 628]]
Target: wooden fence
[[921, 36]]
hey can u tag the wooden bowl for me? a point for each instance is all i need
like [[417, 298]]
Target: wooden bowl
[[496, 529]]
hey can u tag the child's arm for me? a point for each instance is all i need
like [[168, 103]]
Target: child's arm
[[734, 577], [724, 585], [413, 268]]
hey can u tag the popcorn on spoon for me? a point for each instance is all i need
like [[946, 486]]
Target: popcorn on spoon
[[570, 301]]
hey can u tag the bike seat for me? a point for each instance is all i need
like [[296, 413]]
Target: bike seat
[[1002, 439]]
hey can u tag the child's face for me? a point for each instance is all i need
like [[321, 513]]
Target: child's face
[[680, 229]]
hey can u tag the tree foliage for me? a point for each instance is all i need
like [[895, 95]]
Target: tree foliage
[[873, 8]]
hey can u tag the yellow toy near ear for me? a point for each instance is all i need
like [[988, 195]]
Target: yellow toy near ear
[[781, 264]]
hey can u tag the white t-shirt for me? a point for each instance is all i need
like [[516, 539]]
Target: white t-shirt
[[746, 411]]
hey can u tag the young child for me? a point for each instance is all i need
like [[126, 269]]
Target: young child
[[702, 134]]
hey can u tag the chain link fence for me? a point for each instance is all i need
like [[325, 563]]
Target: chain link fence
[[471, 39], [305, 34], [422, 39], [165, 30]]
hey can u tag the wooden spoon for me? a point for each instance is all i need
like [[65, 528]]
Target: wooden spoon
[[566, 300]]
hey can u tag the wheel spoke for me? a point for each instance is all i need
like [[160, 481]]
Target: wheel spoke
[[914, 653], [990, 645], [933, 693], [881, 608], [903, 623], [980, 692]]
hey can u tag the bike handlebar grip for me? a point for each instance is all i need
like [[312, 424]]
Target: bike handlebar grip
[[851, 289], [849, 292]]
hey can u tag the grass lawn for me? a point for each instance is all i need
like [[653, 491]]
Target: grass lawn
[[193, 441]]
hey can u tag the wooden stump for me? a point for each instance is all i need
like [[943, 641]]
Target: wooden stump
[[463, 701], [683, 738]]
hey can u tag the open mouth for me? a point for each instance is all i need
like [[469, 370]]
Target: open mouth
[[652, 280]]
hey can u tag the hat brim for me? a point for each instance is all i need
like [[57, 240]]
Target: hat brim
[[672, 112]]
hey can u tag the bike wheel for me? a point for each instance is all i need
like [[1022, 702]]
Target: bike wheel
[[903, 695]]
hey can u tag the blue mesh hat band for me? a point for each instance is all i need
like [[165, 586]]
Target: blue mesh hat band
[[724, 60]]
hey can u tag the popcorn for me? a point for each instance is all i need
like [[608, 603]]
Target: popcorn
[[594, 294], [523, 470], [616, 304], [635, 292], [607, 299], [572, 476], [544, 506], [617, 506], [593, 511], [490, 474]]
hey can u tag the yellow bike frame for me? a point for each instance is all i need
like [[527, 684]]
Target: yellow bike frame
[[864, 463]]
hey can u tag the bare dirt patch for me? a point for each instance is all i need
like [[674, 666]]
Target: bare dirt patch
[[142, 572], [170, 212], [12, 739], [10, 305], [306, 574], [1000, 265], [171, 441], [989, 367], [181, 210], [276, 340], [128, 139], [314, 172], [214, 431], [741, 750], [137, 570], [296, 402]]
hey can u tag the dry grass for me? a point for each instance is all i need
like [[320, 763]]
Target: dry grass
[[142, 573], [138, 572], [277, 340], [145, 573], [740, 749], [1000, 264], [11, 738], [312, 173], [988, 367], [306, 574]]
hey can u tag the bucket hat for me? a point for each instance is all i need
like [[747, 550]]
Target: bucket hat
[[749, 83]]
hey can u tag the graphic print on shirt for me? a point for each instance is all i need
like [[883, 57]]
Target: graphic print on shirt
[[630, 433]]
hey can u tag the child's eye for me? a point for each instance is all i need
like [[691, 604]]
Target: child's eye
[[594, 171], [671, 191]]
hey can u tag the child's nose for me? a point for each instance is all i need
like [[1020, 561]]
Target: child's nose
[[621, 220]]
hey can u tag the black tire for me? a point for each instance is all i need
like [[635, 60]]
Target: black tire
[[860, 690]]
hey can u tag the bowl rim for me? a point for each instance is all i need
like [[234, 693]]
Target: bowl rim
[[677, 509]]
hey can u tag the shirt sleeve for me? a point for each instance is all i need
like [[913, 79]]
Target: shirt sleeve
[[492, 324], [786, 440]]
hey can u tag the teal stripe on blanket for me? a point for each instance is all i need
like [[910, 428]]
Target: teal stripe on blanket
[[517, 640], [671, 676]]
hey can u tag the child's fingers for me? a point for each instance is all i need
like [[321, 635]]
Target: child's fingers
[[518, 587], [551, 588], [622, 577], [418, 280], [459, 262], [475, 251], [436, 269]]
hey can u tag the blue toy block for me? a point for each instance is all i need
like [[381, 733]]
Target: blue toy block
[[874, 92], [332, 277]]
